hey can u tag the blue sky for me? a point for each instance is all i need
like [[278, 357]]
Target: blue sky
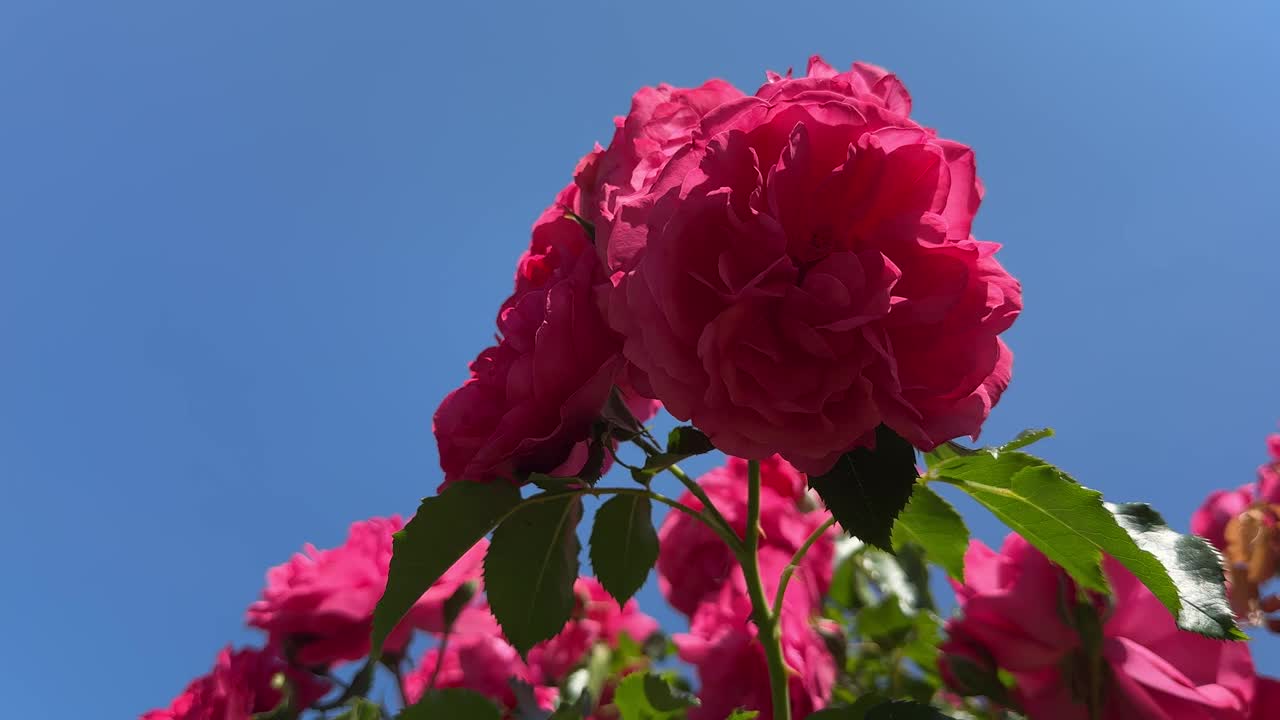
[[245, 248]]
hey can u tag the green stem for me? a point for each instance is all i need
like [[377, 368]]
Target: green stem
[[708, 507], [725, 530], [792, 566], [766, 621]]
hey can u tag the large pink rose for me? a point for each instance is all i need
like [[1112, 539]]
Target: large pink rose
[[532, 398], [240, 685], [1011, 609], [790, 276], [476, 658], [319, 605], [693, 563], [596, 619], [732, 671]]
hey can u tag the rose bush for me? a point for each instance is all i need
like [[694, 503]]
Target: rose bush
[[795, 272]]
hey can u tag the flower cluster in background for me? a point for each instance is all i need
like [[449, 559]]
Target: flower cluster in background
[[317, 614], [793, 271]]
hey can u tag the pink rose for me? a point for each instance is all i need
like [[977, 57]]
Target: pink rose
[[477, 658], [240, 685], [1012, 608], [1266, 698], [693, 563], [732, 671], [959, 658], [319, 605], [1209, 521], [789, 277], [532, 398], [596, 619]]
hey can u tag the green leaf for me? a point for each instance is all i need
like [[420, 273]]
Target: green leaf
[[645, 696], [931, 523], [665, 698], [624, 546], [683, 442], [1023, 439], [741, 714], [445, 526], [1194, 566], [883, 569], [856, 711], [951, 449], [1066, 521], [454, 704], [552, 484], [582, 689], [904, 710], [530, 569], [885, 620], [866, 489], [361, 709], [912, 561]]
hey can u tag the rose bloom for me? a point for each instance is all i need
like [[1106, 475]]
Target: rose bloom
[[1012, 611], [732, 670], [693, 563], [597, 618], [319, 605], [240, 685], [1210, 519], [532, 398], [787, 273], [477, 658], [1266, 698]]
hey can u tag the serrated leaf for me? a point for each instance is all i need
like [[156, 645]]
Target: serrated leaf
[[445, 526], [1194, 566], [454, 704], [645, 696], [530, 569], [624, 546], [1063, 519], [1025, 438], [931, 523], [867, 488], [683, 442], [952, 449], [665, 698]]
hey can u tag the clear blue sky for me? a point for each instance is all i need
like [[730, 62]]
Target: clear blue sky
[[245, 248]]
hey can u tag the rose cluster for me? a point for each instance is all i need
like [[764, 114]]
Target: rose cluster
[[700, 578], [316, 612], [1021, 614]]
